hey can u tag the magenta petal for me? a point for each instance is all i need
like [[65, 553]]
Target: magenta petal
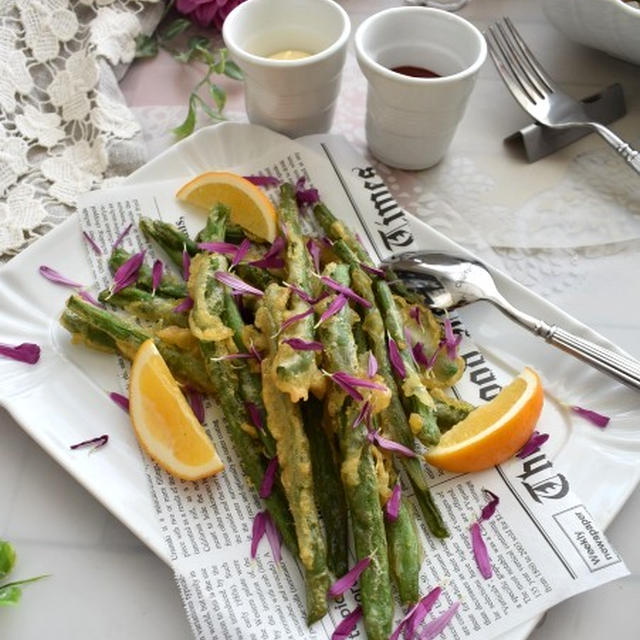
[[127, 272], [451, 341], [302, 345], [346, 386], [273, 536], [120, 237], [437, 626], [480, 552], [347, 581], [293, 319], [234, 356], [257, 531], [218, 247], [156, 275], [263, 181], [185, 305], [27, 352], [593, 416], [344, 629], [396, 359], [120, 400], [414, 313], [408, 340], [363, 414], [340, 288], [358, 382], [54, 276], [374, 271], [421, 357], [272, 259], [372, 365], [301, 293], [87, 297], [391, 445], [269, 476], [314, 249], [194, 398], [254, 414], [255, 353], [421, 611], [336, 305], [98, 442], [236, 284], [489, 509], [392, 507], [94, 245], [186, 265], [533, 444], [241, 252]]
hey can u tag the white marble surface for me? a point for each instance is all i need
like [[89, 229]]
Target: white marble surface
[[105, 584]]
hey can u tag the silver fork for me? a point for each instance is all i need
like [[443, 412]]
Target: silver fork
[[538, 94]]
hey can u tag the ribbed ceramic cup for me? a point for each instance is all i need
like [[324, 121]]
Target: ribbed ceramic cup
[[294, 97], [411, 121]]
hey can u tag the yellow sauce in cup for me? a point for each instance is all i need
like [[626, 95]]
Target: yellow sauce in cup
[[289, 54]]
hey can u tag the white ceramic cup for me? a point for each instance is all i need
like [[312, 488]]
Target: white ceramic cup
[[411, 121], [294, 97]]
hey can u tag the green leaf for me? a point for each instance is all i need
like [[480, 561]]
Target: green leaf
[[146, 46], [218, 95], [218, 67], [175, 28], [7, 558], [232, 70], [9, 595], [189, 124]]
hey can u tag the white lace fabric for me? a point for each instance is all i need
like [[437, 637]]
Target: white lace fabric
[[64, 126]]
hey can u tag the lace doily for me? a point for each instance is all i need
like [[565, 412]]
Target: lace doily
[[64, 126]]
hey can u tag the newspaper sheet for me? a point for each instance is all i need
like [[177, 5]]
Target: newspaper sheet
[[544, 545]]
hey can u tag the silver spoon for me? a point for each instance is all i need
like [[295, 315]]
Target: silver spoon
[[449, 282]]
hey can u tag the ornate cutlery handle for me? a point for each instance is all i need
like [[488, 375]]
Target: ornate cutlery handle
[[631, 155]]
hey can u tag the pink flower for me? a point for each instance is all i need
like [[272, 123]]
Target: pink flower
[[205, 12]]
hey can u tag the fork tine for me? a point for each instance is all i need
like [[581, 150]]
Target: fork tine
[[521, 91], [531, 60]]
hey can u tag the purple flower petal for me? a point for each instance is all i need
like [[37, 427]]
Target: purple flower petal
[[480, 552], [364, 415], [374, 271], [93, 244], [194, 398], [233, 356], [301, 293], [314, 249], [236, 284], [336, 305], [257, 531], [392, 507], [305, 196], [451, 341], [372, 365], [414, 313], [421, 357], [421, 610], [489, 509], [437, 626], [127, 272], [408, 340], [27, 352], [185, 305], [156, 275], [533, 444], [347, 581], [401, 625], [593, 416], [120, 238], [269, 476], [263, 181], [340, 288], [218, 247], [255, 353], [396, 359], [351, 383], [293, 319], [254, 414], [186, 264], [98, 442], [87, 297], [273, 536], [303, 345], [54, 276], [272, 259], [344, 629], [120, 400], [390, 445], [241, 252]]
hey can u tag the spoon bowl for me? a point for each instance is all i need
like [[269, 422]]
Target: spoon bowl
[[448, 282]]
